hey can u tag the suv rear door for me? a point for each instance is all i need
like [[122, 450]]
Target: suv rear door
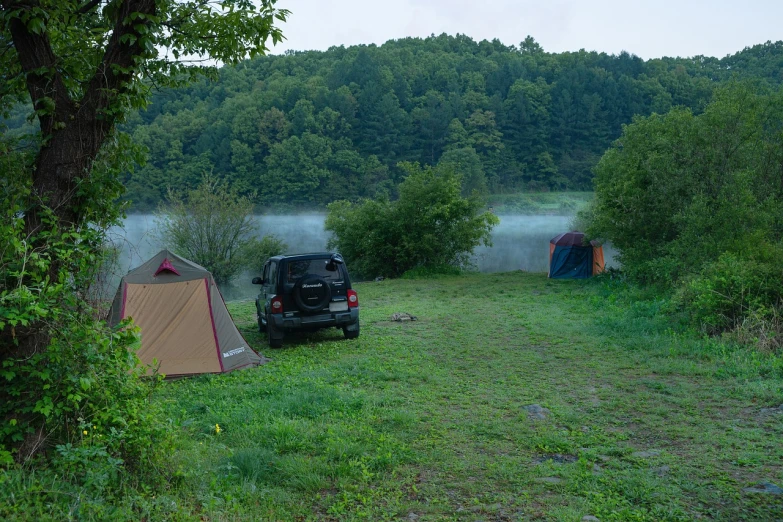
[[296, 269]]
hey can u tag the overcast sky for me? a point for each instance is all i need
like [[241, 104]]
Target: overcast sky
[[649, 29]]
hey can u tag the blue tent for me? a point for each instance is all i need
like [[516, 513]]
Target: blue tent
[[571, 258]]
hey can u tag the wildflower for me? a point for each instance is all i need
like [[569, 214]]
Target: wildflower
[[217, 428], [85, 432]]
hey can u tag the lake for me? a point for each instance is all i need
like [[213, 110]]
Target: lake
[[519, 243]]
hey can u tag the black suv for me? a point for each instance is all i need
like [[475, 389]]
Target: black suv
[[306, 291]]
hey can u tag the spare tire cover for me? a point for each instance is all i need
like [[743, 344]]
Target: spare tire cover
[[312, 293]]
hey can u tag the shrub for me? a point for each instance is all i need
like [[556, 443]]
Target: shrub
[[694, 203], [678, 190], [730, 290], [268, 246], [211, 225], [430, 225], [71, 387], [424, 272]]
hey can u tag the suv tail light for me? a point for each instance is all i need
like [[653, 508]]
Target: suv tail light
[[277, 304], [353, 299]]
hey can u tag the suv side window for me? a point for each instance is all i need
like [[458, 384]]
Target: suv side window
[[265, 274], [272, 274]]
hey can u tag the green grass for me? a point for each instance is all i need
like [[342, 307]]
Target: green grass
[[429, 418]]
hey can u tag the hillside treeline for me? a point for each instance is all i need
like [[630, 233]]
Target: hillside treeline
[[312, 127]]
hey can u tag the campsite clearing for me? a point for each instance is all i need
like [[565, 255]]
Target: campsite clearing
[[528, 399]]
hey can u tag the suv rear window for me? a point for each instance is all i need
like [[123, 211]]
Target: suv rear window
[[319, 267]]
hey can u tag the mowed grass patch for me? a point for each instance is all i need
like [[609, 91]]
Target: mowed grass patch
[[512, 397]]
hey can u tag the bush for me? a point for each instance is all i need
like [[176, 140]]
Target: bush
[[73, 397], [268, 246], [430, 225], [425, 272], [731, 289], [693, 203], [678, 190], [211, 225]]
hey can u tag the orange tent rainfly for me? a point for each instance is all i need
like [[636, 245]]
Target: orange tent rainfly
[[184, 323], [571, 258]]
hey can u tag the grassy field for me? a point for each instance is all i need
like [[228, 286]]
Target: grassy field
[[538, 203], [512, 397]]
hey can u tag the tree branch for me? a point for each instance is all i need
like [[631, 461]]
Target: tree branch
[[120, 60], [89, 6], [39, 64]]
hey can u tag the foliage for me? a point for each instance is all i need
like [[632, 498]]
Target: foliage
[[679, 191], [268, 246], [80, 68], [164, 36], [343, 119], [430, 225], [213, 225], [81, 386], [732, 288]]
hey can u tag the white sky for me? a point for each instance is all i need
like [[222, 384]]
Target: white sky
[[649, 29]]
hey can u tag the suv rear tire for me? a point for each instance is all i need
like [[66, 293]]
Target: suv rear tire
[[273, 341], [351, 334]]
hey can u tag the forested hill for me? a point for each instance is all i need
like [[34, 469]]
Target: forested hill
[[310, 127]]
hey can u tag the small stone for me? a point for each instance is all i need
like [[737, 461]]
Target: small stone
[[557, 458], [771, 411], [536, 412], [403, 316], [605, 458], [597, 469], [549, 480], [413, 516], [661, 470], [590, 518], [767, 488], [646, 454]]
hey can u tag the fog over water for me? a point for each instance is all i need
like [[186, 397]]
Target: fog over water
[[519, 243]]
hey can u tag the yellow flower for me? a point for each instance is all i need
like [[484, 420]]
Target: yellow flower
[[85, 432], [217, 428]]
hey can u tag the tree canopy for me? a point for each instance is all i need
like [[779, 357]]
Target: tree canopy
[[695, 202], [341, 120], [85, 65]]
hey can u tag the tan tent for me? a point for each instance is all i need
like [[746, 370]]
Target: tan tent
[[184, 323]]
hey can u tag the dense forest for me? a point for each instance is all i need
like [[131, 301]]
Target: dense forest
[[307, 128]]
